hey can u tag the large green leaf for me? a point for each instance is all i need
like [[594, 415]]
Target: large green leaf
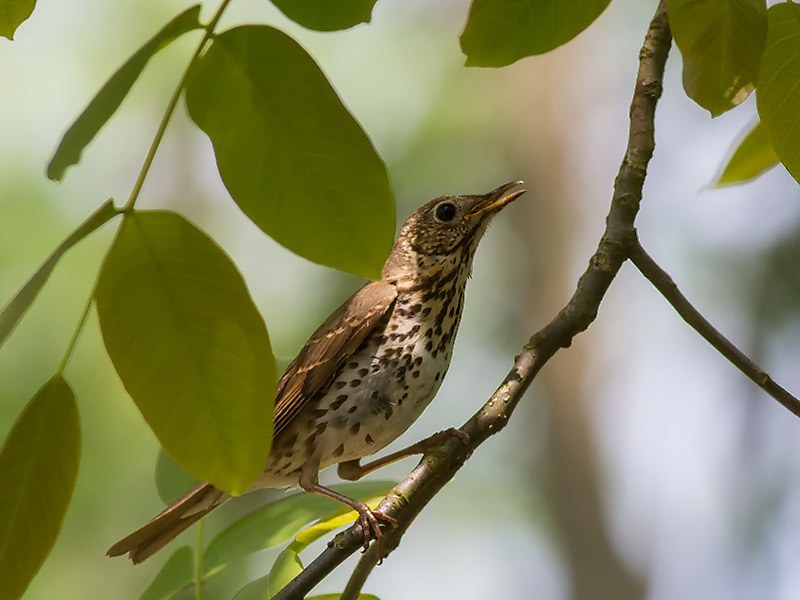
[[255, 590], [176, 574], [327, 15], [500, 32], [38, 469], [190, 347], [290, 154], [778, 90], [172, 481], [12, 15], [753, 156], [107, 100], [277, 522], [19, 305], [285, 568], [721, 42]]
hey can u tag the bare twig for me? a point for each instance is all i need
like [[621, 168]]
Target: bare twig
[[439, 465], [664, 284]]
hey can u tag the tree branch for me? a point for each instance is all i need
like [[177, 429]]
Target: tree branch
[[438, 465], [664, 284]]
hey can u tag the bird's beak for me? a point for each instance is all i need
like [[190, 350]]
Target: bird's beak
[[496, 199]]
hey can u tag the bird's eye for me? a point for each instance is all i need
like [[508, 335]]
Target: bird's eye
[[445, 212]]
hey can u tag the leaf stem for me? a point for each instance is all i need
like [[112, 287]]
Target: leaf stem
[[81, 322], [198, 562], [173, 102]]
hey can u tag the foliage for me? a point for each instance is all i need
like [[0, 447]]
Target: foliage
[[177, 319]]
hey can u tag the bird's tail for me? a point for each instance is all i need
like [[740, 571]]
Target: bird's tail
[[147, 540]]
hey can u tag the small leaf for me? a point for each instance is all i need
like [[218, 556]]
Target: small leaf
[[108, 99], [277, 522], [19, 305], [721, 42], [290, 154], [176, 574], [12, 14], [255, 590], [327, 15], [778, 92], [38, 469], [190, 347], [500, 32], [753, 156], [172, 481], [285, 568]]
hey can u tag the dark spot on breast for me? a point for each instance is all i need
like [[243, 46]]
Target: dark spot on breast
[[429, 333], [338, 402], [355, 383], [339, 385], [354, 429], [363, 372], [429, 346], [352, 409], [426, 312], [322, 427], [339, 451], [374, 395], [369, 439], [320, 412], [353, 365], [418, 361], [415, 374], [437, 376], [414, 309], [451, 312]]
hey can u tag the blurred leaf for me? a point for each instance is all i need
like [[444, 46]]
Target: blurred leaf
[[753, 156], [189, 346], [721, 42], [337, 596], [19, 305], [334, 520], [255, 590], [12, 14], [172, 481], [778, 91], [500, 32], [277, 522], [176, 574], [38, 468], [290, 154], [285, 568], [327, 15], [107, 100]]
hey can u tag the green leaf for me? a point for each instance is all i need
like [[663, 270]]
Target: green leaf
[[753, 156], [19, 305], [255, 590], [108, 99], [12, 15], [285, 568], [290, 154], [721, 42], [172, 481], [176, 574], [500, 32], [327, 15], [275, 523], [189, 346], [38, 468], [778, 91]]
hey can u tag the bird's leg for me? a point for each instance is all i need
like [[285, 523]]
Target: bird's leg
[[367, 517], [352, 470]]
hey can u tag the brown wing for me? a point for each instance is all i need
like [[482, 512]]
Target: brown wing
[[335, 340]]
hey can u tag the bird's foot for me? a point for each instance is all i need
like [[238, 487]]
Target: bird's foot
[[370, 527]]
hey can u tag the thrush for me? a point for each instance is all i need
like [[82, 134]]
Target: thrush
[[366, 374]]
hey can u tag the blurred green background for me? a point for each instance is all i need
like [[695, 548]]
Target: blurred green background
[[640, 460]]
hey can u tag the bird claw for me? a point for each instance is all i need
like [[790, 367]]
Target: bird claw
[[370, 527]]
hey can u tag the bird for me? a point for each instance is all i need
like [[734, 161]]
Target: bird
[[366, 374]]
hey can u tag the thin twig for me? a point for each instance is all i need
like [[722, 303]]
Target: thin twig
[[438, 465], [664, 284], [367, 562]]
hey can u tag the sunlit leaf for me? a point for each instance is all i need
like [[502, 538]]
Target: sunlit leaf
[[108, 99], [12, 14], [189, 346], [753, 156], [38, 469], [500, 32], [327, 15], [19, 305], [172, 481], [275, 523], [290, 154], [721, 42], [285, 568], [255, 590], [176, 574], [778, 91]]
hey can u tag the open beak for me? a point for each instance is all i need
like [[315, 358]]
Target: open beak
[[496, 199]]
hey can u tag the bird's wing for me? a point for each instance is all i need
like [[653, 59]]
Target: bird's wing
[[329, 347]]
